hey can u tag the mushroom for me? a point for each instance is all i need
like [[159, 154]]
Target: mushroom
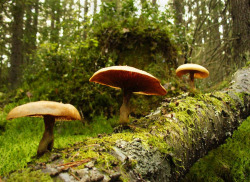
[[50, 111], [194, 70], [128, 79]]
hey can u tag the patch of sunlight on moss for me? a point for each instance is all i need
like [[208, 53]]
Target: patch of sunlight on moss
[[229, 162]]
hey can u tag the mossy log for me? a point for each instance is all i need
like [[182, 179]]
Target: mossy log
[[165, 144], [170, 140]]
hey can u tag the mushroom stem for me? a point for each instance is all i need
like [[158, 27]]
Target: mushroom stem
[[192, 80], [124, 110], [47, 141]]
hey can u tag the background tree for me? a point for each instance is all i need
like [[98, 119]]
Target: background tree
[[240, 12], [16, 58], [31, 28]]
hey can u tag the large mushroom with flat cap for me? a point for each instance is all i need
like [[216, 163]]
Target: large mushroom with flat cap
[[129, 80], [194, 70], [50, 111]]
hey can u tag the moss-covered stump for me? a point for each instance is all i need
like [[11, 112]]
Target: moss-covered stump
[[159, 147]]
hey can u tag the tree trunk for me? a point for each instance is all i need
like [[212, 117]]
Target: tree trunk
[[86, 9], [35, 23], [30, 30], [178, 6], [95, 7], [2, 42], [153, 2], [16, 58], [85, 16], [240, 11], [55, 20]]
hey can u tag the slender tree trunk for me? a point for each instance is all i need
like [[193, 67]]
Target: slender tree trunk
[[153, 2], [29, 34], [35, 24], [95, 7], [178, 6], [85, 16], [16, 58], [86, 10], [179, 10], [1, 47], [55, 20], [240, 11]]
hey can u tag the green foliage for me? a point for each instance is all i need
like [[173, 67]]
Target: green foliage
[[60, 71], [148, 37], [20, 137], [229, 162]]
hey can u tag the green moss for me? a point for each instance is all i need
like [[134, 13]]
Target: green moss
[[229, 162], [21, 137], [28, 175]]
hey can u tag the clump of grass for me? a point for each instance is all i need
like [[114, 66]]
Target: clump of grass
[[19, 138], [229, 162]]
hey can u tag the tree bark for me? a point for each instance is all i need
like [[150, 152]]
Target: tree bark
[[240, 11]]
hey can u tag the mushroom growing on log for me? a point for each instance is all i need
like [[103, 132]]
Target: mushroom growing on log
[[50, 111], [130, 80], [194, 70]]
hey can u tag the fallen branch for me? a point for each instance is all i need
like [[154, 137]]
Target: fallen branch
[[73, 164]]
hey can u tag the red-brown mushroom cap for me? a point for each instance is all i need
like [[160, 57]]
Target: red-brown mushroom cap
[[199, 71], [130, 79], [40, 108]]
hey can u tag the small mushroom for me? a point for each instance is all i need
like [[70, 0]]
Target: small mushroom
[[50, 111], [130, 80], [194, 70]]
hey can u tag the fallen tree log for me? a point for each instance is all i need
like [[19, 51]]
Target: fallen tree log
[[161, 146], [190, 127]]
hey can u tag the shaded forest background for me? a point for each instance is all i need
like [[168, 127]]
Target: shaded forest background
[[50, 48]]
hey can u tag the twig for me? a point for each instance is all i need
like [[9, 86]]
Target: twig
[[73, 164], [72, 174]]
